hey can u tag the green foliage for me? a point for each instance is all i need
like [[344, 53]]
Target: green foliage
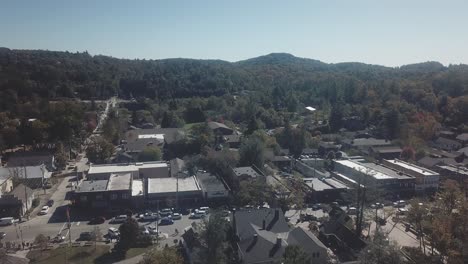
[[162, 256], [295, 255], [61, 156], [255, 193], [380, 250], [212, 234], [150, 154], [252, 152], [129, 232], [35, 202], [99, 150]]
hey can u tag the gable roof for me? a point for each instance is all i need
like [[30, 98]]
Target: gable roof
[[446, 143], [215, 125], [21, 191], [463, 137], [23, 158], [308, 241]]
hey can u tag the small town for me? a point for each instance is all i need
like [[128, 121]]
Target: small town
[[233, 132]]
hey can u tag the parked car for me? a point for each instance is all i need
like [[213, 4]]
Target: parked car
[[316, 207], [166, 221], [119, 219], [352, 211], [50, 203], [97, 220], [58, 239], [144, 230], [206, 209], [402, 211], [113, 232], [150, 217], [2, 235], [198, 214], [399, 204], [7, 221], [86, 236], [176, 216], [165, 212], [44, 210]]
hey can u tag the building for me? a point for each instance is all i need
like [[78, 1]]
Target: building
[[389, 152], [220, 128], [172, 192], [245, 173], [6, 182], [33, 176], [167, 135], [463, 139], [134, 148], [115, 191], [28, 158], [453, 172], [426, 180], [233, 141], [325, 189], [373, 175], [446, 144], [327, 147], [263, 236], [17, 202], [212, 187], [365, 143]]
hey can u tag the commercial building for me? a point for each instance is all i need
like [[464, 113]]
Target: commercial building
[[212, 187], [390, 152], [172, 192], [426, 180], [325, 189], [374, 176]]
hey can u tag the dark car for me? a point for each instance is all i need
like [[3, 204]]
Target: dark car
[[2, 235], [86, 236], [50, 203], [166, 221], [97, 220]]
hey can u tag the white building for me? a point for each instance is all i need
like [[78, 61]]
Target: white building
[[426, 180]]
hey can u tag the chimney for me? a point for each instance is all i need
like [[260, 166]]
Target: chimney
[[264, 224], [278, 241], [255, 238]]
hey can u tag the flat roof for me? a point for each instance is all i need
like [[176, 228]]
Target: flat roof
[[169, 185], [119, 181], [413, 167], [246, 170], [454, 169], [157, 136], [317, 185], [364, 169], [92, 186], [335, 183], [388, 171], [137, 188], [210, 182], [124, 167]]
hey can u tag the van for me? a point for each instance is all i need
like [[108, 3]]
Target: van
[[6, 221]]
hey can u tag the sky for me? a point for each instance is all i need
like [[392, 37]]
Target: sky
[[384, 32]]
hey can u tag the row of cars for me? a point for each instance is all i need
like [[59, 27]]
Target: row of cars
[[165, 216]]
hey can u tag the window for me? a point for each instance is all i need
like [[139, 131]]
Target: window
[[113, 196], [84, 198], [125, 196], [99, 196], [318, 254]]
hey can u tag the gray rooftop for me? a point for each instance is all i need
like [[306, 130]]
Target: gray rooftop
[[210, 182], [317, 185], [92, 186], [239, 171], [169, 185], [119, 181]]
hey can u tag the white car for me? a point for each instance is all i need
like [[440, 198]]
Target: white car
[[198, 214], [119, 219], [176, 216], [150, 217], [44, 210], [113, 232]]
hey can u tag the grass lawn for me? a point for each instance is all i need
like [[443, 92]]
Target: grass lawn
[[81, 255], [77, 255]]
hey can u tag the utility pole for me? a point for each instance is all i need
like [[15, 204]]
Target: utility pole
[[177, 192]]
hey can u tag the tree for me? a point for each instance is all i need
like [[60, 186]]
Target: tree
[[252, 152], [297, 142], [150, 154], [380, 250], [99, 150], [129, 232], [61, 156], [407, 154], [254, 192], [212, 234], [41, 241], [294, 254], [336, 117], [168, 255]]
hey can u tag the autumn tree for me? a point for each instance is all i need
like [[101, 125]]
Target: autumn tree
[[168, 255], [380, 250]]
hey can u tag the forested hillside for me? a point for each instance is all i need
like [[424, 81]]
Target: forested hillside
[[419, 97]]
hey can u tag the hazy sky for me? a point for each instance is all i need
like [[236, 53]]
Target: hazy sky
[[383, 32]]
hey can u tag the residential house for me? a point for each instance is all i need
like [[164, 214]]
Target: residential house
[[388, 152], [33, 176], [463, 139], [6, 182], [446, 144], [17, 202], [220, 128], [263, 235], [30, 158], [325, 189], [233, 141]]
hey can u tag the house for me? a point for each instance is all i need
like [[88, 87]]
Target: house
[[326, 147], [337, 236], [220, 128], [388, 152], [29, 158], [446, 144], [33, 176], [365, 143], [233, 141], [325, 190], [134, 148], [245, 173], [263, 235], [463, 139], [17, 202], [212, 188]]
